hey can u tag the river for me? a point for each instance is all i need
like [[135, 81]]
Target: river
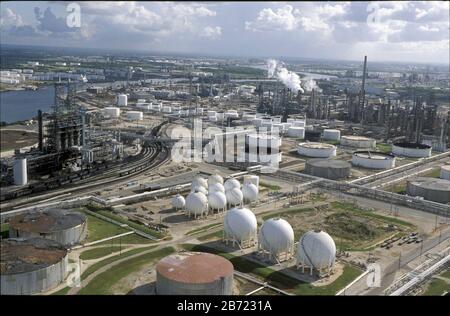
[[23, 105]]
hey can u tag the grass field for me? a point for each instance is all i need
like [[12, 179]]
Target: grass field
[[202, 229], [10, 140], [272, 187], [4, 230], [384, 148], [102, 283], [397, 188], [279, 279], [128, 239], [210, 236], [435, 173], [99, 229], [96, 253]]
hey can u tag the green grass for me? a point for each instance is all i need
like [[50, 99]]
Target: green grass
[[283, 212], [210, 236], [63, 291], [272, 187], [4, 230], [384, 148], [279, 279], [102, 283], [436, 287], [99, 229], [201, 229], [446, 274], [96, 253], [128, 239], [109, 260], [397, 188], [435, 173]]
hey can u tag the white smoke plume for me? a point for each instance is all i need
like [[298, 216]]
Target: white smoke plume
[[288, 78], [311, 84]]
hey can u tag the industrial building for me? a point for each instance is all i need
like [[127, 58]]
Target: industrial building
[[31, 265], [328, 168], [432, 189], [194, 273], [66, 227]]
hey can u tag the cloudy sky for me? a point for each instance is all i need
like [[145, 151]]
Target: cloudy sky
[[416, 31]]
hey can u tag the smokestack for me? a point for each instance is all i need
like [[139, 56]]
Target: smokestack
[[363, 91], [40, 131]]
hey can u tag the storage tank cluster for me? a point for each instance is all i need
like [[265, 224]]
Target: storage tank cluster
[[358, 142], [412, 150], [328, 168], [432, 189], [64, 226], [373, 160], [317, 150], [216, 195], [194, 273], [31, 265], [445, 172]]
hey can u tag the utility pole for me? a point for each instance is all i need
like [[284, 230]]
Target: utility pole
[[363, 91]]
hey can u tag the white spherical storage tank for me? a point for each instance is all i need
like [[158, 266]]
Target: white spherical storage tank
[[317, 150], [215, 178], [178, 202], [234, 196], [232, 183], [250, 192], [199, 189], [216, 187], [276, 237], [316, 250], [240, 226], [199, 182], [445, 172], [331, 134], [251, 178], [135, 115], [111, 112], [296, 131], [197, 204], [20, 171], [122, 100], [217, 201]]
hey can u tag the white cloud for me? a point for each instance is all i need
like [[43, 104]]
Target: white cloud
[[283, 19], [211, 32], [8, 18]]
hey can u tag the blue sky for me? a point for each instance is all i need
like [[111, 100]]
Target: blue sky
[[416, 31]]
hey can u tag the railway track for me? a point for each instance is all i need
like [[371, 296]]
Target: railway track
[[154, 155]]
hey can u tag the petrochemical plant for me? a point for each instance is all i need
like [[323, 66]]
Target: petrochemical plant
[[203, 176]]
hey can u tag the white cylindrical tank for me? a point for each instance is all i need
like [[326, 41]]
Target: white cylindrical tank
[[317, 150], [135, 115], [316, 250], [217, 200], [412, 150], [299, 123], [111, 112], [220, 115], [20, 171], [232, 183], [216, 187], [199, 111], [240, 226], [296, 131], [257, 122], [199, 181], [215, 178], [277, 238], [250, 192], [358, 142], [122, 100], [211, 113], [178, 202], [251, 178], [166, 109], [373, 160], [445, 172], [234, 196], [331, 134], [212, 118], [196, 203]]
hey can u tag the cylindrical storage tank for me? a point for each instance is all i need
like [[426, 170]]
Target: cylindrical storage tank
[[373, 160], [111, 112], [312, 136], [135, 115], [331, 134], [199, 182], [249, 117], [240, 225], [216, 187], [122, 100], [316, 250], [445, 172], [257, 122], [290, 120], [178, 202], [432, 189], [31, 265], [358, 142], [211, 113], [412, 150], [234, 196], [250, 192], [298, 123], [277, 238], [215, 178], [232, 183], [317, 150], [262, 140], [20, 172], [251, 178], [231, 114], [66, 227], [199, 111], [296, 131], [217, 201], [194, 273], [212, 118], [196, 204], [328, 168], [220, 115], [166, 109]]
